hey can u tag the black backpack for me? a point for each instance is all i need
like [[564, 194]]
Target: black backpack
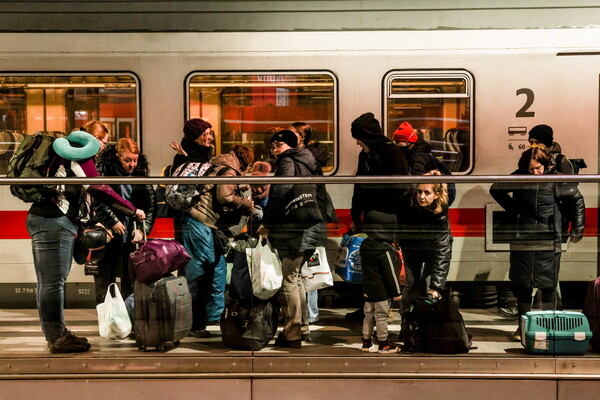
[[32, 160], [432, 326]]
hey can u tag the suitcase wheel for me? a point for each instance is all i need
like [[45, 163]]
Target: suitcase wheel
[[166, 346]]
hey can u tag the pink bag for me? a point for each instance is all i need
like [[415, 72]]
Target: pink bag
[[156, 258]]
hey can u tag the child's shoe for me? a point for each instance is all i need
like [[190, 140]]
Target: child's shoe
[[367, 346], [387, 348]]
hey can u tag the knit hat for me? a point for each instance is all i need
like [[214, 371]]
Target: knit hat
[[286, 136], [405, 133], [366, 127], [261, 168], [195, 127], [542, 133]]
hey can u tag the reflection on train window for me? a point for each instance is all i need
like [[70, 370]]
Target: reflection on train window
[[56, 104], [247, 109], [438, 104]]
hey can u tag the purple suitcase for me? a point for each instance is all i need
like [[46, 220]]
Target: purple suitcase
[[591, 309], [156, 258]]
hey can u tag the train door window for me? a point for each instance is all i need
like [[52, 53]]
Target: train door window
[[248, 108], [438, 104], [58, 103]]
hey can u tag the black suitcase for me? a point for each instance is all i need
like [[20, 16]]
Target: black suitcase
[[163, 313], [248, 327]]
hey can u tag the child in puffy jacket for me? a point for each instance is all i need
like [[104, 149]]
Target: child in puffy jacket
[[380, 263]]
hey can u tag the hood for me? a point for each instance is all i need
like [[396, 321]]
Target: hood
[[304, 156], [421, 146], [228, 159]]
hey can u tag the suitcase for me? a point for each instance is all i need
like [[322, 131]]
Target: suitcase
[[246, 326], [163, 313], [555, 332], [591, 309]]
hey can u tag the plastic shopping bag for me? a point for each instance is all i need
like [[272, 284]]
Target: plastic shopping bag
[[113, 319], [347, 263], [265, 270], [315, 271]]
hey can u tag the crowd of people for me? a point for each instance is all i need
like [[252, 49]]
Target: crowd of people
[[413, 218]]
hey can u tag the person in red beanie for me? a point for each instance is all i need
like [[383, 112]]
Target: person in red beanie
[[418, 152]]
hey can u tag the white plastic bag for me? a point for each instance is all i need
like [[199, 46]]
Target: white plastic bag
[[113, 319], [265, 270], [315, 272]]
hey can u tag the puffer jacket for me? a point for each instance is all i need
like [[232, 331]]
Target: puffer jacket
[[384, 158], [143, 197], [419, 158], [379, 263], [535, 209], [282, 234], [216, 201]]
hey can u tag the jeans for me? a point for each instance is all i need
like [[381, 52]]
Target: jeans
[[206, 272], [52, 244], [312, 299]]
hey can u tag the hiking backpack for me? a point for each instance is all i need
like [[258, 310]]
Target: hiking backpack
[[32, 160]]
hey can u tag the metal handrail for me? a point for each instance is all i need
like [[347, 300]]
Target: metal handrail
[[251, 180]]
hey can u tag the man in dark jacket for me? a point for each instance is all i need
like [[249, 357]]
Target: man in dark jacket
[[294, 240], [418, 152]]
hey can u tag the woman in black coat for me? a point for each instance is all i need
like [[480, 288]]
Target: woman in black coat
[[123, 159], [536, 211], [426, 241]]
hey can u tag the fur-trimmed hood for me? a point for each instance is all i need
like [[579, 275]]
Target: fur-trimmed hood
[[109, 162]]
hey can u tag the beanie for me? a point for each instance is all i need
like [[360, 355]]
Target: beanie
[[366, 127], [542, 133], [261, 168], [286, 136], [405, 133], [195, 127]]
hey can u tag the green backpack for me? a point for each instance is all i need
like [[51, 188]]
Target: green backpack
[[32, 160]]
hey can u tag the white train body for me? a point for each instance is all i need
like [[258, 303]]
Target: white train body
[[560, 68]]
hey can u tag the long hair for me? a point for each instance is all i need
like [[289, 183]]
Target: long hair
[[534, 154], [304, 130], [441, 189]]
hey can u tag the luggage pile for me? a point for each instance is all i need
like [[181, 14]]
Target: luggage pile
[[163, 303]]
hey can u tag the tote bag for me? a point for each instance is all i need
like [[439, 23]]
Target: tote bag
[[315, 272], [265, 270]]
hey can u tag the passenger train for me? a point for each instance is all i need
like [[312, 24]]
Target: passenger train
[[473, 94]]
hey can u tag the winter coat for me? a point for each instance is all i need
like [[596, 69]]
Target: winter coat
[[143, 197], [380, 267], [425, 237], [536, 214], [216, 201], [384, 158], [559, 162], [284, 234]]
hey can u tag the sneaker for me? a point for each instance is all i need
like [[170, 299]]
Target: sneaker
[[517, 335], [200, 333], [367, 346], [387, 348], [69, 344]]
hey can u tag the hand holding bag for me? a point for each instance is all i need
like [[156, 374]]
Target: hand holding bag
[[315, 271], [265, 270], [113, 319]]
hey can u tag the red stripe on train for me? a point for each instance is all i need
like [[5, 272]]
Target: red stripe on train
[[465, 222]]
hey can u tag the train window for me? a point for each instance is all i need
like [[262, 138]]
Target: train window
[[438, 104], [58, 103], [248, 108]]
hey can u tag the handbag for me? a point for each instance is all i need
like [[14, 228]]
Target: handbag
[[265, 270], [156, 258], [90, 244], [347, 262], [113, 318], [302, 204], [315, 271]]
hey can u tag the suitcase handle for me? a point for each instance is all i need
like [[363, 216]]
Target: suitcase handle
[[137, 245]]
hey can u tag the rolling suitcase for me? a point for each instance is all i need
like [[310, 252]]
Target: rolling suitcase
[[163, 313]]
